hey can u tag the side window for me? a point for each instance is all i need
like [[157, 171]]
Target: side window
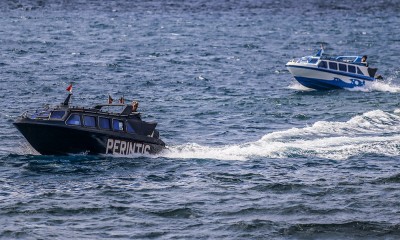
[[104, 123], [333, 65], [74, 119], [359, 71], [352, 69], [118, 125], [89, 121], [322, 64], [43, 114], [313, 60], [57, 114], [129, 128], [342, 67]]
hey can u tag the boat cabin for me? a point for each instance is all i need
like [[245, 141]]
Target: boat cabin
[[96, 119], [348, 64]]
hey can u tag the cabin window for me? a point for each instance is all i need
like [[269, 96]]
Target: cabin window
[[89, 121], [322, 64], [342, 67], [104, 123], [129, 128], [74, 119], [43, 114], [313, 60], [57, 114], [352, 69], [359, 71], [333, 65], [118, 125]]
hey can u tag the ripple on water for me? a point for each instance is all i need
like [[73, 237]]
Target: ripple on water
[[251, 153]]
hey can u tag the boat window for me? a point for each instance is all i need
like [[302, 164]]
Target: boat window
[[352, 69], [313, 60], [43, 114], [57, 114], [342, 67], [74, 119], [333, 65], [129, 128], [359, 71], [104, 123], [89, 121], [322, 64], [118, 125]]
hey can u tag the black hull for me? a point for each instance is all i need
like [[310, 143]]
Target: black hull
[[60, 139]]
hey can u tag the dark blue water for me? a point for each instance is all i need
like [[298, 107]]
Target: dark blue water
[[251, 154]]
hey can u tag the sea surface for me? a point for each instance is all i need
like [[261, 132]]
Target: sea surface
[[251, 153]]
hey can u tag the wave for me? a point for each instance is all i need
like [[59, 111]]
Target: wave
[[372, 133], [331, 230]]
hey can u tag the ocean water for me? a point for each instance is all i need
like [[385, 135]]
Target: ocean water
[[251, 153]]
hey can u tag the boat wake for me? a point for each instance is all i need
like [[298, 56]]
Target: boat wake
[[298, 87], [388, 86], [372, 133]]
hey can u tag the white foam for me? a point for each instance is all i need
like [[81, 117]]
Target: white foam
[[297, 86], [374, 132], [378, 86], [24, 148], [384, 87]]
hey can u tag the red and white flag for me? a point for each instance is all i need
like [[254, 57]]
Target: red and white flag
[[69, 88]]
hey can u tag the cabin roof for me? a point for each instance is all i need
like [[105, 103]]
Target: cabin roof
[[127, 112], [99, 106]]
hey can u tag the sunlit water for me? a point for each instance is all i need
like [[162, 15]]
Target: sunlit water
[[251, 153]]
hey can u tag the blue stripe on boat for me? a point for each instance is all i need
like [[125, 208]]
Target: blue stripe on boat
[[320, 84]]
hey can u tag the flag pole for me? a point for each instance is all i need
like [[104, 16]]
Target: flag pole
[[68, 99]]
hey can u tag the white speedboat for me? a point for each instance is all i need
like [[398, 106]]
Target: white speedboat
[[323, 72]]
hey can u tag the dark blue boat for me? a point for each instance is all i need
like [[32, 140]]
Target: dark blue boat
[[65, 129]]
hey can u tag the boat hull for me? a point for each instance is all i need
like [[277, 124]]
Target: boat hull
[[321, 79], [58, 139]]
